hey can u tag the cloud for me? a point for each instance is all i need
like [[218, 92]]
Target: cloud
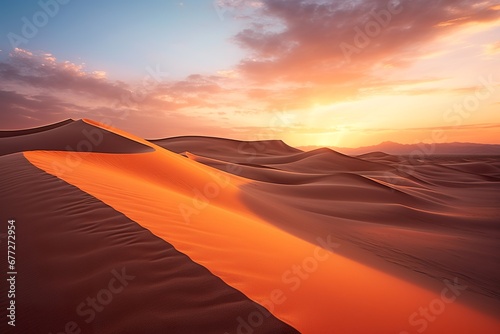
[[334, 42], [238, 9], [45, 72], [37, 89], [18, 109], [26, 71]]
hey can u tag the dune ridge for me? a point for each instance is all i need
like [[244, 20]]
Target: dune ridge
[[225, 147], [69, 135], [21, 132], [425, 149]]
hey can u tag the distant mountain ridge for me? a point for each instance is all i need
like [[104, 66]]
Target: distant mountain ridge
[[425, 149]]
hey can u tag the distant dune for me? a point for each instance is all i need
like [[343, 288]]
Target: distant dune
[[193, 234], [221, 147], [420, 149]]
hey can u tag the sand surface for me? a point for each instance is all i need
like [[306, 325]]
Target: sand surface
[[212, 228]]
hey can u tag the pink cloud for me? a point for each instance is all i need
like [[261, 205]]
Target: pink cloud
[[36, 89], [334, 42]]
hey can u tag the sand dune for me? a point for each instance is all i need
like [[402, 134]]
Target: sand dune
[[458, 149], [77, 136], [21, 132], [323, 242], [320, 160], [226, 148]]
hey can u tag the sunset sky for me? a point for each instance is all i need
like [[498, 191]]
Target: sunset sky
[[311, 72]]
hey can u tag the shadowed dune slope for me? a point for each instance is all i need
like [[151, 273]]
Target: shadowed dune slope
[[227, 148], [69, 135], [71, 245], [21, 132]]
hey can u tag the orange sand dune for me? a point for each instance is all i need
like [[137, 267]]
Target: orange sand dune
[[211, 216]]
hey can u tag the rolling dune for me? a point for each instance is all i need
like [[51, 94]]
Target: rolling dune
[[248, 237]]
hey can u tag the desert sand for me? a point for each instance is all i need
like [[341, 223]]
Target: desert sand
[[223, 236]]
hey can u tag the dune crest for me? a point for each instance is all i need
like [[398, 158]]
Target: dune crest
[[71, 136]]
